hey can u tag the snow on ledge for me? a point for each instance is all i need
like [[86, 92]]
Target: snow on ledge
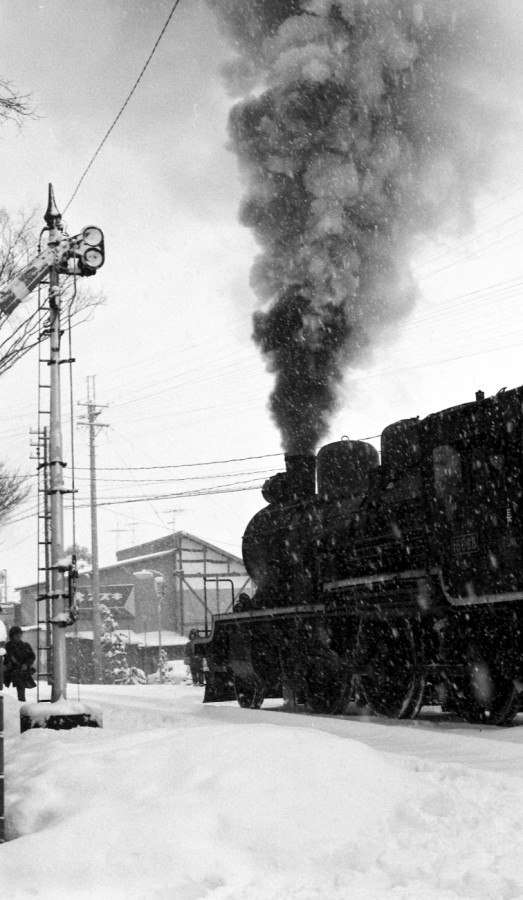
[[40, 713]]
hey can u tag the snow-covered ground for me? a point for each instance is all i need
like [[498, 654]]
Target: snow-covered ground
[[174, 799]]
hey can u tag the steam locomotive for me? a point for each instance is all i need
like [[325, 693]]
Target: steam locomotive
[[394, 582]]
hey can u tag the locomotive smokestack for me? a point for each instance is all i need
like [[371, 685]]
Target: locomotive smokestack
[[301, 476], [360, 132]]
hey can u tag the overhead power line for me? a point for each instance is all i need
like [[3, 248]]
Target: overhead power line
[[135, 85], [170, 479], [197, 493], [212, 462]]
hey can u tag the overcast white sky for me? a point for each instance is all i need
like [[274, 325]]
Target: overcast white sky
[[171, 349]]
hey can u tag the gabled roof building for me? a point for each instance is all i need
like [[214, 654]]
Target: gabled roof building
[[197, 578]]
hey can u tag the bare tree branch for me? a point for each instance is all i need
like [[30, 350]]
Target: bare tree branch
[[17, 244], [13, 106], [14, 489]]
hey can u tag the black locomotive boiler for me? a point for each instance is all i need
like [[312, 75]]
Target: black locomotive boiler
[[397, 581]]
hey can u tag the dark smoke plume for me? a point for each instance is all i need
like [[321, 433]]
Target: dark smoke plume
[[360, 131]]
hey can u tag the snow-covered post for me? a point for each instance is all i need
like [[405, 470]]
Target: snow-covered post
[[159, 589], [3, 638]]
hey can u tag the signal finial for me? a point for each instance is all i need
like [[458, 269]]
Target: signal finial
[[52, 216]]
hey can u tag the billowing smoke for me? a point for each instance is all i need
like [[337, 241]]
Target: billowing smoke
[[360, 132]]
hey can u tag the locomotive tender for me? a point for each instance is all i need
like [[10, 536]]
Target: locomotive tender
[[396, 581]]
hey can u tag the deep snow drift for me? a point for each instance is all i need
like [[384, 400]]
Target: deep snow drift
[[174, 799]]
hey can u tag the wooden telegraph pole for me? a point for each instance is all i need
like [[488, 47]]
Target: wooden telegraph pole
[[93, 411]]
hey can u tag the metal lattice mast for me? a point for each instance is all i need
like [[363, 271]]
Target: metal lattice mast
[[56, 466]]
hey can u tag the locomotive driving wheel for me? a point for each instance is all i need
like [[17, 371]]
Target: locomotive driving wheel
[[485, 693], [389, 666], [249, 691], [328, 685], [326, 666]]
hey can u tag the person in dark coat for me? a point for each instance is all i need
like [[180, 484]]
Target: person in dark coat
[[194, 662], [18, 663]]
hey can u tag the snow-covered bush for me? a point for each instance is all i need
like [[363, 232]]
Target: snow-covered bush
[[115, 666], [133, 675]]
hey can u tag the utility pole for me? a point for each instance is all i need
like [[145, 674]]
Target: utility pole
[[118, 532], [56, 465], [93, 411], [174, 513], [89, 257]]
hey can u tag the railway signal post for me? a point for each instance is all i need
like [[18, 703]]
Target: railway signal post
[[80, 255]]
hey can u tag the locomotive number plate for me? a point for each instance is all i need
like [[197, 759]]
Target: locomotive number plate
[[465, 543]]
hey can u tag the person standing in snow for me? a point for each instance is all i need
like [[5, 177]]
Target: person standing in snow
[[18, 663], [194, 662]]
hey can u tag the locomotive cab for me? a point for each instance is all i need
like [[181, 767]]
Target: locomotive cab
[[475, 474]]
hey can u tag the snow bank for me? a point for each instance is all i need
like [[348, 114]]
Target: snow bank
[[192, 810], [40, 713], [209, 808]]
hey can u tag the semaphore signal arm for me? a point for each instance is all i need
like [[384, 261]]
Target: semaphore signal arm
[[82, 255]]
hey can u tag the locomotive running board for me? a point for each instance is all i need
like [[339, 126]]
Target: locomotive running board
[[418, 575], [482, 599], [273, 613], [410, 575], [478, 599]]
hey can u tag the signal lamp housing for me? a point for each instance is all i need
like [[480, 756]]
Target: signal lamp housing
[[91, 250]]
